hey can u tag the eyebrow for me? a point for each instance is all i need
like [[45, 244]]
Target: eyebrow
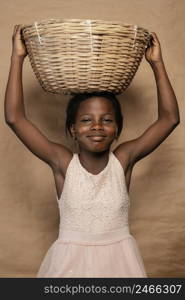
[[111, 114]]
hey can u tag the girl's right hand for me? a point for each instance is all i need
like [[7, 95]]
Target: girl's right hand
[[18, 44]]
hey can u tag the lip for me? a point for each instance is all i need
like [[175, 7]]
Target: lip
[[96, 137]]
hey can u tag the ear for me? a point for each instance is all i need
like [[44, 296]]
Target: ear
[[72, 129]]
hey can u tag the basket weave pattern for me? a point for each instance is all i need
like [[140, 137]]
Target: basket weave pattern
[[72, 55]]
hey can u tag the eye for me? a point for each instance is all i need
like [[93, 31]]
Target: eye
[[85, 120], [107, 120]]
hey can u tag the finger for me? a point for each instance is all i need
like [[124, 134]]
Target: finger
[[155, 36], [18, 27], [15, 29], [18, 30]]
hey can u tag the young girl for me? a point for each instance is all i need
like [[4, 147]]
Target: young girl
[[92, 185]]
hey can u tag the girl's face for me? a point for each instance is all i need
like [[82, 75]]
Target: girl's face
[[95, 127]]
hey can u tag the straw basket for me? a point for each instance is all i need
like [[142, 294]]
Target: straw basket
[[74, 56]]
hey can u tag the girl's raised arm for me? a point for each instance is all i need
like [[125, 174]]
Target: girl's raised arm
[[168, 111], [31, 136]]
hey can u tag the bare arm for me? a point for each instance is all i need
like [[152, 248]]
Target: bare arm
[[31, 136], [168, 111]]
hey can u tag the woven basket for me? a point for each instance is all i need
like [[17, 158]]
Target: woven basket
[[74, 56]]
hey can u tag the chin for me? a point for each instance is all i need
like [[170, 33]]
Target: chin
[[98, 149]]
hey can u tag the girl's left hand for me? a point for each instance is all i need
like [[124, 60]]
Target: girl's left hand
[[153, 52]]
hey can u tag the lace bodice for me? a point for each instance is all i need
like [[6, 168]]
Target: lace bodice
[[94, 203]]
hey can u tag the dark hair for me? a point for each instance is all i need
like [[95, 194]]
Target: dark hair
[[75, 101]]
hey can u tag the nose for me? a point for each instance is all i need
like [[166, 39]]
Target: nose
[[97, 125]]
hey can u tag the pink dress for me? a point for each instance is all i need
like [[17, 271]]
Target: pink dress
[[94, 238]]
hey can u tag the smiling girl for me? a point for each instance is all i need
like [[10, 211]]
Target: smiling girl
[[93, 185]]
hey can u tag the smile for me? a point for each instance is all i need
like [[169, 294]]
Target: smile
[[96, 137]]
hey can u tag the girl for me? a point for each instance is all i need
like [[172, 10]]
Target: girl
[[92, 185]]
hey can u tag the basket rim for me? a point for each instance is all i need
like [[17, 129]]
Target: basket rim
[[71, 20]]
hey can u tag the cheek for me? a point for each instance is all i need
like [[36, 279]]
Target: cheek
[[82, 130], [111, 129]]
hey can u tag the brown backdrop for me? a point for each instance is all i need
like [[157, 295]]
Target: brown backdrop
[[29, 213]]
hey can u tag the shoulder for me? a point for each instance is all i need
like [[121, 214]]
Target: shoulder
[[61, 158]]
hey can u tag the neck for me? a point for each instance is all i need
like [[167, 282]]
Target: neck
[[94, 161]]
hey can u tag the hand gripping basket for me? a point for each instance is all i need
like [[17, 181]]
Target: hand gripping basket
[[75, 56]]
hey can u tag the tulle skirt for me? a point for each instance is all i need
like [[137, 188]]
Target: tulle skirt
[[80, 254]]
